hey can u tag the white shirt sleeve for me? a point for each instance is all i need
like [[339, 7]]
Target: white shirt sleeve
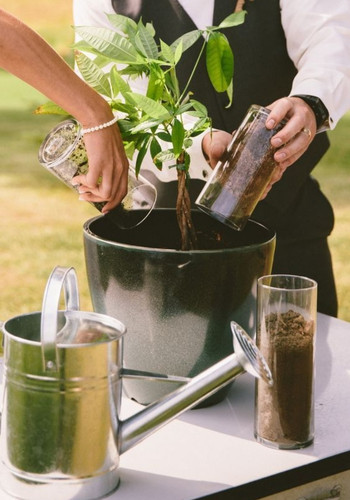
[[318, 42]]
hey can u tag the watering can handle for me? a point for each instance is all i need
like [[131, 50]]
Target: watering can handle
[[61, 277]]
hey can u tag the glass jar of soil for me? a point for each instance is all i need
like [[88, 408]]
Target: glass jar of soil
[[286, 328], [241, 176]]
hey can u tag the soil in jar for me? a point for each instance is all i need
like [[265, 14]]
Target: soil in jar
[[284, 411]]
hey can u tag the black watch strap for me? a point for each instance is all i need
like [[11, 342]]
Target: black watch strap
[[320, 110]]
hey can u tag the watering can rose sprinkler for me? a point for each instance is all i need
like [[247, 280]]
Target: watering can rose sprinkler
[[61, 435]]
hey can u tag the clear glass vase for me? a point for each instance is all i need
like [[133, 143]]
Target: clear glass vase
[[63, 154], [240, 178], [286, 329]]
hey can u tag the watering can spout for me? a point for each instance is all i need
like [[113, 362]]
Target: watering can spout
[[246, 358], [137, 427]]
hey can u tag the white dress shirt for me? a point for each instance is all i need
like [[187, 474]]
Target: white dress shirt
[[318, 42]]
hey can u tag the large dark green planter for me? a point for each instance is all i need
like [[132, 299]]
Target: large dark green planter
[[176, 305]]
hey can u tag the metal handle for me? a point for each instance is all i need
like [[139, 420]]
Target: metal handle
[[61, 278]]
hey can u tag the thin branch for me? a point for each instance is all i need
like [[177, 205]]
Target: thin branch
[[239, 5], [192, 73]]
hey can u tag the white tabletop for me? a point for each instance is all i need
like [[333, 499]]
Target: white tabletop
[[206, 451]]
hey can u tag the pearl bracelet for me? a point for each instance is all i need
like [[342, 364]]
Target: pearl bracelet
[[99, 127]]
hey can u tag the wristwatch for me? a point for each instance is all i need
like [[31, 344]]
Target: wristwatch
[[320, 110]]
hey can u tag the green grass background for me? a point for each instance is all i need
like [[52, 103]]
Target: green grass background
[[41, 220]]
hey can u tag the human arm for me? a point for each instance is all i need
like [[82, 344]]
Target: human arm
[[26, 55], [319, 27], [318, 42]]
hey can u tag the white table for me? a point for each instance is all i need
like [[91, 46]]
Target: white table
[[212, 451]]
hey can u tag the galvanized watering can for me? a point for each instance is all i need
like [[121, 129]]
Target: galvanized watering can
[[61, 432]]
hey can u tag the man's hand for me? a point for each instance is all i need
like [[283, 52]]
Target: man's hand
[[294, 138], [214, 145], [291, 141]]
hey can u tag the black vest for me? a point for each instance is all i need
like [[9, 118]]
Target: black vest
[[260, 53]]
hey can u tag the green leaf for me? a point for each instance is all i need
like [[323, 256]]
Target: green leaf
[[102, 61], [132, 70], [122, 23], [200, 125], [195, 133], [151, 108], [229, 92], [119, 85], [129, 148], [178, 53], [167, 155], [187, 161], [127, 109], [164, 136], [50, 108], [142, 153], [145, 125], [172, 83], [146, 43], [93, 75], [109, 43], [199, 107], [177, 136], [187, 40], [219, 61], [155, 149], [184, 108], [150, 28], [156, 83], [83, 46], [166, 52], [126, 126], [234, 19]]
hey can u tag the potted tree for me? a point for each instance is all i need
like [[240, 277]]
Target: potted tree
[[176, 299], [145, 120]]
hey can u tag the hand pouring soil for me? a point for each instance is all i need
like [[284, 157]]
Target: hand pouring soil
[[61, 435]]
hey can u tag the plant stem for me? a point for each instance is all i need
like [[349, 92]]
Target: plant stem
[[239, 6], [192, 73], [183, 211]]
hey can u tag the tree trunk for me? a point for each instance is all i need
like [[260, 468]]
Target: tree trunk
[[183, 211]]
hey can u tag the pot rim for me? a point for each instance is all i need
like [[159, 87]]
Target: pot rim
[[89, 234]]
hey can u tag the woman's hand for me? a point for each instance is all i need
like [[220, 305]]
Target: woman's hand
[[107, 178]]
